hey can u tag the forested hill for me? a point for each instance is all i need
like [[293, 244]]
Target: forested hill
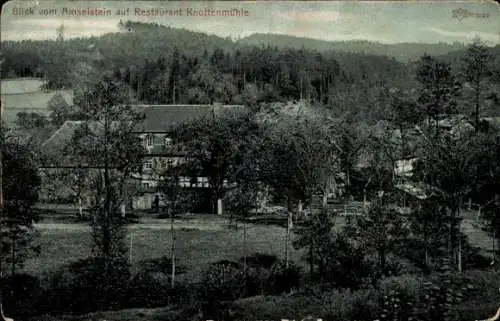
[[403, 52], [139, 42], [163, 65]]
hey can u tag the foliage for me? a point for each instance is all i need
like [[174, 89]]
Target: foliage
[[20, 186], [317, 236], [151, 286], [381, 230], [449, 166], [61, 111], [299, 153], [106, 141], [476, 72], [429, 230], [283, 278], [23, 295], [212, 144], [30, 120]]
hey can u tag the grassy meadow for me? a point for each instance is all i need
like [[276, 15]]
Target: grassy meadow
[[199, 242], [195, 246]]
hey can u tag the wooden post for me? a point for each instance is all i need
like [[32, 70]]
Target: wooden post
[[219, 206], [130, 249]]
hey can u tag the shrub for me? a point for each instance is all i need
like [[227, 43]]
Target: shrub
[[262, 260], [25, 293], [282, 278], [349, 305], [149, 289], [221, 282], [334, 305], [151, 286], [86, 285], [408, 285]]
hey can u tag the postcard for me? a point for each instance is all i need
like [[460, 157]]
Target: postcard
[[249, 160]]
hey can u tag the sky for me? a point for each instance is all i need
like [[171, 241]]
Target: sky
[[381, 21]]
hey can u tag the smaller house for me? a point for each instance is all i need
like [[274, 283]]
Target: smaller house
[[404, 167]]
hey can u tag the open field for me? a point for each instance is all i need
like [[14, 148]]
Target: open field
[[200, 240]]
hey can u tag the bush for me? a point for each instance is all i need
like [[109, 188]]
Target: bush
[[274, 308], [222, 282], [149, 289], [24, 295], [151, 286], [335, 305], [85, 286], [349, 305], [409, 285], [283, 279]]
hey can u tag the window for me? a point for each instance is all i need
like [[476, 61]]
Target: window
[[168, 141], [148, 164], [157, 140], [184, 182], [170, 162], [149, 140], [145, 184]]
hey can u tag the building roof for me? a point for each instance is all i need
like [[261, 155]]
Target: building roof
[[54, 148], [159, 119], [419, 190], [162, 118]]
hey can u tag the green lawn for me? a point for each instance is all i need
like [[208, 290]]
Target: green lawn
[[195, 248]]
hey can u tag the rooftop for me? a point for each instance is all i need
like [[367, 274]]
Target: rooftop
[[162, 118]]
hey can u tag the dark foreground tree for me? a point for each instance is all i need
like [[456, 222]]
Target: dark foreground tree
[[20, 183], [106, 144], [381, 231], [176, 197], [316, 235]]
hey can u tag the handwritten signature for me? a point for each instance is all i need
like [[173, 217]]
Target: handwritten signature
[[462, 13]]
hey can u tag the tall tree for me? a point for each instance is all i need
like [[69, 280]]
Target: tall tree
[[475, 69], [449, 164], [20, 185], [405, 116], [106, 142], [317, 236], [438, 90], [246, 174], [429, 229], [174, 80], [175, 196], [382, 230], [210, 144], [301, 157], [61, 111]]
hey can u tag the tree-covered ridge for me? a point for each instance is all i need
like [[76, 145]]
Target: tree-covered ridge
[[403, 52], [139, 41]]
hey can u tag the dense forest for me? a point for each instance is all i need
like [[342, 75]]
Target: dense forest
[[162, 66]]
